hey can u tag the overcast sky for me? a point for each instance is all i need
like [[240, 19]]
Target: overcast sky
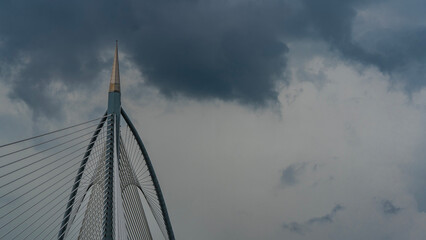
[[264, 119]]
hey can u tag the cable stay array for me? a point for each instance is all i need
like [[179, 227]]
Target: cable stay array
[[36, 176], [58, 176]]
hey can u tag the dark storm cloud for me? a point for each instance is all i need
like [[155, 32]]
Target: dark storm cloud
[[203, 50], [389, 208], [401, 52], [302, 228], [229, 50], [46, 43]]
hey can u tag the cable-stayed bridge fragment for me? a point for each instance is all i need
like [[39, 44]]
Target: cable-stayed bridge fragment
[[91, 180]]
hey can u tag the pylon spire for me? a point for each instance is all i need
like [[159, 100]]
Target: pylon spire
[[112, 149], [114, 85]]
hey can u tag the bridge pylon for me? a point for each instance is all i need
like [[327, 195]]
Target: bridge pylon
[[118, 189]]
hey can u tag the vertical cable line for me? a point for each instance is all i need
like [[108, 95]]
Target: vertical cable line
[[81, 198], [93, 179], [165, 215], [78, 218], [64, 225], [57, 218], [137, 225], [148, 193], [83, 195]]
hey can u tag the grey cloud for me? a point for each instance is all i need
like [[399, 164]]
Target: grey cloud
[[296, 227], [389, 208], [328, 218], [229, 50], [290, 175], [302, 228], [398, 51]]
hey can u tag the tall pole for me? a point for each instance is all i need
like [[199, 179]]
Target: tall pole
[[112, 149]]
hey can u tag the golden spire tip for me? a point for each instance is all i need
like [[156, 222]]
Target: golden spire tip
[[114, 85]]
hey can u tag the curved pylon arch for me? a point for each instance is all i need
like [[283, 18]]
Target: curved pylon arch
[[154, 179]]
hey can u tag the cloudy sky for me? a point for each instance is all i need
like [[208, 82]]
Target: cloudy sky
[[264, 119]]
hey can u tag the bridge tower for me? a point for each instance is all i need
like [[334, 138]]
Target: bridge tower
[[117, 189]]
